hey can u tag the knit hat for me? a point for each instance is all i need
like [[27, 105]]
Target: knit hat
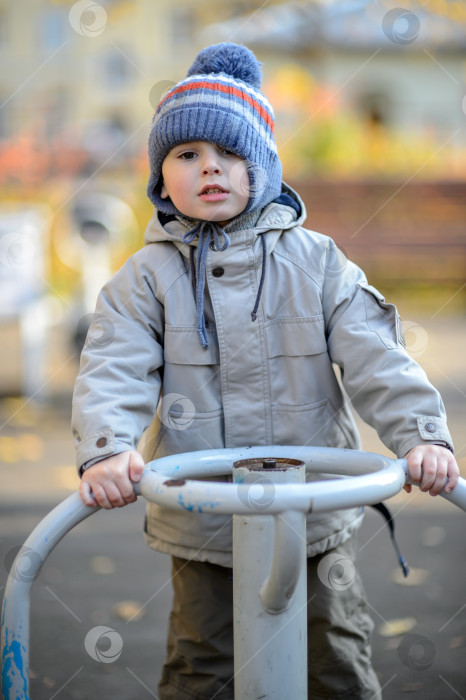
[[220, 102]]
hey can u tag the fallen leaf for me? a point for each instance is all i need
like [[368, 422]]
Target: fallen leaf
[[393, 628], [416, 577], [456, 642], [9, 450], [66, 476], [21, 412], [412, 687], [31, 447], [433, 536], [102, 565], [128, 610]]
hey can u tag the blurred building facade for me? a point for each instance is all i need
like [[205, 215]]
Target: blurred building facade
[[403, 68], [79, 83], [91, 73]]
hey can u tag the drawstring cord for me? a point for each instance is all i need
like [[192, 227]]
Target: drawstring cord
[[262, 280], [206, 230], [384, 511], [192, 265]]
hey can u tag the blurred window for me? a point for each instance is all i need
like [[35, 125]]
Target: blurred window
[[117, 70], [3, 28], [375, 108], [56, 111], [183, 25], [239, 7], [23, 233], [103, 137], [53, 29], [5, 120]]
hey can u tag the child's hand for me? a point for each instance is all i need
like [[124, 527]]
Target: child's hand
[[108, 483], [429, 466]]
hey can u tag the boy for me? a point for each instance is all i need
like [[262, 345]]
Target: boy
[[234, 314]]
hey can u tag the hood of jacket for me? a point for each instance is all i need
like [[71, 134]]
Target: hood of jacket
[[273, 220]]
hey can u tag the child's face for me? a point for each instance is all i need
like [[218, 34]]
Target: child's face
[[205, 181]]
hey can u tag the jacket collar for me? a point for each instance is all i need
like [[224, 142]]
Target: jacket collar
[[274, 218]]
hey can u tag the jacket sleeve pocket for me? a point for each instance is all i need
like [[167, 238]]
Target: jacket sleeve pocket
[[382, 318]]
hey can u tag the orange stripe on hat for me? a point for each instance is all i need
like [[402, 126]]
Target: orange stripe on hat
[[229, 89]]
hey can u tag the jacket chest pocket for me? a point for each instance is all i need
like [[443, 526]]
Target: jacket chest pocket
[[296, 337], [182, 347], [190, 411], [304, 388], [192, 370]]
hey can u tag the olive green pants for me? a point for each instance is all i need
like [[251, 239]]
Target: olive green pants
[[199, 664]]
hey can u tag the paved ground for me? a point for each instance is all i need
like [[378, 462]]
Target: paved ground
[[102, 574]]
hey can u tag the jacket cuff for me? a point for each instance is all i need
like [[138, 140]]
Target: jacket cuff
[[96, 446], [432, 431], [90, 463], [104, 450]]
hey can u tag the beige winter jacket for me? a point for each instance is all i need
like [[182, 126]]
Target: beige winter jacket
[[271, 381]]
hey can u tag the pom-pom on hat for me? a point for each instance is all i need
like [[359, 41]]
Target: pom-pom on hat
[[219, 101]]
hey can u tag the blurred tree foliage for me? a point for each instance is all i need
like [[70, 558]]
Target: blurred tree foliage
[[317, 135]]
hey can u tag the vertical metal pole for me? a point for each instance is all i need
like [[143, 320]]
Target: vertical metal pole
[[269, 588], [14, 647]]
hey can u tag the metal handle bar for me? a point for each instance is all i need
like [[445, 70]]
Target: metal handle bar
[[374, 478], [370, 478]]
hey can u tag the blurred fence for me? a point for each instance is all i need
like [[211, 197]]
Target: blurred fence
[[405, 234]]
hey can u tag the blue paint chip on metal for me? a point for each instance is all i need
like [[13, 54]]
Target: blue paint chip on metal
[[199, 508], [13, 669]]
